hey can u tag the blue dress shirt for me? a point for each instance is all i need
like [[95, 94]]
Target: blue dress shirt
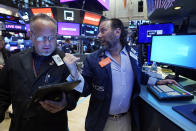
[[122, 83]]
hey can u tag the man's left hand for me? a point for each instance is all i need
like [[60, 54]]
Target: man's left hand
[[54, 106], [166, 81]]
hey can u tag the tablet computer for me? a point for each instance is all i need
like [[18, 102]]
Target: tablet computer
[[54, 91]]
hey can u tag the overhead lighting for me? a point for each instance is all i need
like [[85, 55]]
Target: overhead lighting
[[5, 11], [177, 7]]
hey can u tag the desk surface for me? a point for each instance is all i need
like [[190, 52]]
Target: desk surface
[[165, 108]]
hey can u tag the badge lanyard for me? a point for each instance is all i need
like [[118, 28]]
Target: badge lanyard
[[34, 70]]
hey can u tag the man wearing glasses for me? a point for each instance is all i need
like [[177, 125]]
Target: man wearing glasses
[[26, 71]]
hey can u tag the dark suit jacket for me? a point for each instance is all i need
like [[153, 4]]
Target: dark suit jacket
[[98, 83], [17, 85], [5, 54]]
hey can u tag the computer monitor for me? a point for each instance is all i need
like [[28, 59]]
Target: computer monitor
[[133, 24], [147, 31], [68, 29], [179, 50], [64, 1], [175, 50], [89, 30]]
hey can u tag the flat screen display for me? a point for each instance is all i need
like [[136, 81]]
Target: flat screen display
[[133, 24], [146, 31], [12, 48], [89, 30], [15, 27], [70, 29], [179, 50], [13, 43], [25, 14], [27, 43], [91, 18], [63, 1], [105, 3], [47, 11], [68, 15]]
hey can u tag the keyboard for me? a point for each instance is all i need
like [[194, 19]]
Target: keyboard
[[170, 92]]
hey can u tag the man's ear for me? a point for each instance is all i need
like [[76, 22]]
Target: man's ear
[[118, 32]]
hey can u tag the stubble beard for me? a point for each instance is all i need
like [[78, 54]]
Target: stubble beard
[[108, 46]]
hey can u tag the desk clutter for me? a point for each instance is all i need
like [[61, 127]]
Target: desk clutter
[[170, 92]]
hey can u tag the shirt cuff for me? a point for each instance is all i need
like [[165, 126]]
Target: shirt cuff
[[152, 81], [80, 86]]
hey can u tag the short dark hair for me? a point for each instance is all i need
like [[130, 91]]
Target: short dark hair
[[43, 17], [117, 23]]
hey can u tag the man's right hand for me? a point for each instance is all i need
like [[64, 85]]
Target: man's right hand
[[70, 60], [166, 81], [1, 67]]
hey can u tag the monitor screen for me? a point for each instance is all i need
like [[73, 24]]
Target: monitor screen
[[12, 48], [47, 11], [178, 50], [15, 27], [68, 15], [13, 43], [133, 24], [89, 30], [70, 29], [105, 3], [63, 1], [25, 14], [27, 43], [91, 18], [146, 31]]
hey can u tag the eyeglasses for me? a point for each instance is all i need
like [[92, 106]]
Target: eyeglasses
[[45, 38]]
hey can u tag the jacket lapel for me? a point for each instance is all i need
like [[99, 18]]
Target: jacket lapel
[[133, 61], [106, 68], [27, 63]]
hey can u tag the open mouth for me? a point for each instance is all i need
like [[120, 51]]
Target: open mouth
[[46, 48]]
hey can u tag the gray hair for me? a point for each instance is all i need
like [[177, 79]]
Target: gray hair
[[43, 17]]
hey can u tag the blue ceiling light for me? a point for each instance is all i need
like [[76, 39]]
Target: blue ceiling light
[[11, 21]]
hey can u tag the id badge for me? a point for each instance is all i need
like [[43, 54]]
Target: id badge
[[105, 62], [57, 59]]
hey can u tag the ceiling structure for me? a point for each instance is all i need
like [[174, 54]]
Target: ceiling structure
[[188, 10]]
